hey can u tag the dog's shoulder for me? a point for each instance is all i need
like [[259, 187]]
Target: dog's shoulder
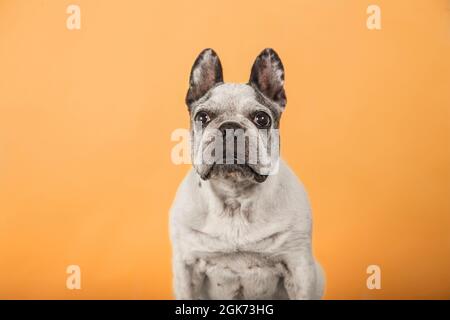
[[291, 196], [192, 203], [186, 199], [291, 186]]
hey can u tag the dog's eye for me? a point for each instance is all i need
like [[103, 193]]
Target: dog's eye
[[262, 119], [202, 117]]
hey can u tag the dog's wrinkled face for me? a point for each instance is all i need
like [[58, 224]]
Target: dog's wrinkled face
[[234, 127]]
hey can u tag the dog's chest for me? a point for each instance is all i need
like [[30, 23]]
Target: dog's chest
[[235, 253], [241, 276], [240, 230]]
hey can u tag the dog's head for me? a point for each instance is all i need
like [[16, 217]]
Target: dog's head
[[234, 127]]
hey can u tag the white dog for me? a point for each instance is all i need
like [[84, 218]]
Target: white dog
[[241, 229]]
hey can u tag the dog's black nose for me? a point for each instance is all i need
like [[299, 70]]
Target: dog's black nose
[[234, 142], [231, 126]]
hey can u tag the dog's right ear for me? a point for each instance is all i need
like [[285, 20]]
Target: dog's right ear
[[205, 74]]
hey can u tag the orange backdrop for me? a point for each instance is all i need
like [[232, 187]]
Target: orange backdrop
[[86, 116]]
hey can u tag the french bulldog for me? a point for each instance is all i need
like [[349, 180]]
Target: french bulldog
[[240, 224]]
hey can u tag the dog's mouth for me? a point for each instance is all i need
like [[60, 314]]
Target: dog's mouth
[[234, 172]]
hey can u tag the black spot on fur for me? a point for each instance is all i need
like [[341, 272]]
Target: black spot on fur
[[239, 295]]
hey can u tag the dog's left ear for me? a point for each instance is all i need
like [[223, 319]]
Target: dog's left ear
[[268, 76]]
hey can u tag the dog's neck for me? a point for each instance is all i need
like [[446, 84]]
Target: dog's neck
[[231, 198], [231, 189]]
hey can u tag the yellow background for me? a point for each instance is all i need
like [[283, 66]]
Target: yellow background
[[86, 117]]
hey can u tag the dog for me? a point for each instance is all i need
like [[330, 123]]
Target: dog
[[240, 229]]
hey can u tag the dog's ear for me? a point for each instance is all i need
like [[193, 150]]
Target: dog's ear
[[268, 76], [205, 74]]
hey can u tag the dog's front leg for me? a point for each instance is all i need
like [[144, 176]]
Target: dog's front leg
[[300, 277], [182, 279], [187, 281]]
